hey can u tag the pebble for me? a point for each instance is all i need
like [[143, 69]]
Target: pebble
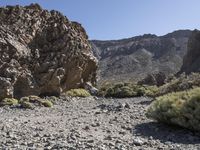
[[66, 126], [138, 142]]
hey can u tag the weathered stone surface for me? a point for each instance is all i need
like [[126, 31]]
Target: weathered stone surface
[[191, 60], [154, 79], [42, 53]]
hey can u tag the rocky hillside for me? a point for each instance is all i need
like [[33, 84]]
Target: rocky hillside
[[192, 59], [134, 58], [42, 52]]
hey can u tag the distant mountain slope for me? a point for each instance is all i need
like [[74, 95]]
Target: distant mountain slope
[[134, 58]]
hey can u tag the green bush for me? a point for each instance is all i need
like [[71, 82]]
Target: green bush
[[28, 102], [151, 91], [32, 101], [52, 99], [78, 93], [181, 108], [26, 105], [141, 91], [35, 99], [122, 90], [47, 103], [8, 101], [24, 99]]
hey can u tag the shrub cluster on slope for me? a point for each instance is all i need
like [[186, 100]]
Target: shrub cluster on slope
[[26, 102], [180, 84], [32, 101], [122, 90], [8, 102], [78, 93], [179, 108]]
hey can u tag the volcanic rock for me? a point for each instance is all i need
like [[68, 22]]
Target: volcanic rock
[[154, 79], [42, 53], [191, 60]]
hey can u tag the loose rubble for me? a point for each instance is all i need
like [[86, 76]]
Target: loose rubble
[[91, 123]]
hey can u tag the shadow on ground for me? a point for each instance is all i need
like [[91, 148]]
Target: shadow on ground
[[167, 133], [145, 102]]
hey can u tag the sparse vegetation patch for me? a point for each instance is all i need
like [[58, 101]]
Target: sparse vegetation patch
[[9, 102], [33, 101], [122, 90], [184, 82], [78, 93]]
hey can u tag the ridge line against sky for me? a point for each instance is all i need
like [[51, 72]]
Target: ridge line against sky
[[118, 19]]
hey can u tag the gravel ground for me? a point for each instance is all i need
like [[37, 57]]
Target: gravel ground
[[91, 123]]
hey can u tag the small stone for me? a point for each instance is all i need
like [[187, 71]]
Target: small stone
[[108, 131], [90, 141], [86, 128], [95, 124], [122, 132], [97, 112], [126, 105], [138, 142], [30, 144], [24, 143], [150, 138], [15, 119], [111, 144], [108, 138]]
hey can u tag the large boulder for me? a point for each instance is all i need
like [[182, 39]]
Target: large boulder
[[42, 53], [153, 79], [191, 60]]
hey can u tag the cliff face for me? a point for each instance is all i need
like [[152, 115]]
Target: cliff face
[[134, 58], [191, 61], [42, 53]]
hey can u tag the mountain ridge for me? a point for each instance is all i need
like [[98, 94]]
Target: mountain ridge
[[128, 58]]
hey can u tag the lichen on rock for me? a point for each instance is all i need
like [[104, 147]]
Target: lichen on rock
[[42, 53]]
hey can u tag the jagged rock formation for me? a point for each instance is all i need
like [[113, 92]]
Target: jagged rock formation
[[191, 60], [42, 52], [135, 58], [153, 79]]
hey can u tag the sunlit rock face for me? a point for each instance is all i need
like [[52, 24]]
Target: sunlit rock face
[[42, 53], [135, 58]]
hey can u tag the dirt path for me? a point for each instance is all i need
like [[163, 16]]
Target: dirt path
[[90, 123]]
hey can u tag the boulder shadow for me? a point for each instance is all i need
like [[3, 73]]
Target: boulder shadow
[[145, 102], [167, 133]]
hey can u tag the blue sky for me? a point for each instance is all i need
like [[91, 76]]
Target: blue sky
[[116, 19]]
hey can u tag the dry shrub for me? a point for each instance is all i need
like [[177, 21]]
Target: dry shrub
[[179, 108]]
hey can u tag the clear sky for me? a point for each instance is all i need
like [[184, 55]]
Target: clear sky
[[116, 19]]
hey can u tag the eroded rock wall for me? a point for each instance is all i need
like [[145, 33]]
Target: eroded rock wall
[[42, 53], [191, 61]]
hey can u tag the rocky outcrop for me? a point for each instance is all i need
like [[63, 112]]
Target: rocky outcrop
[[153, 79], [42, 53], [134, 58], [192, 58]]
